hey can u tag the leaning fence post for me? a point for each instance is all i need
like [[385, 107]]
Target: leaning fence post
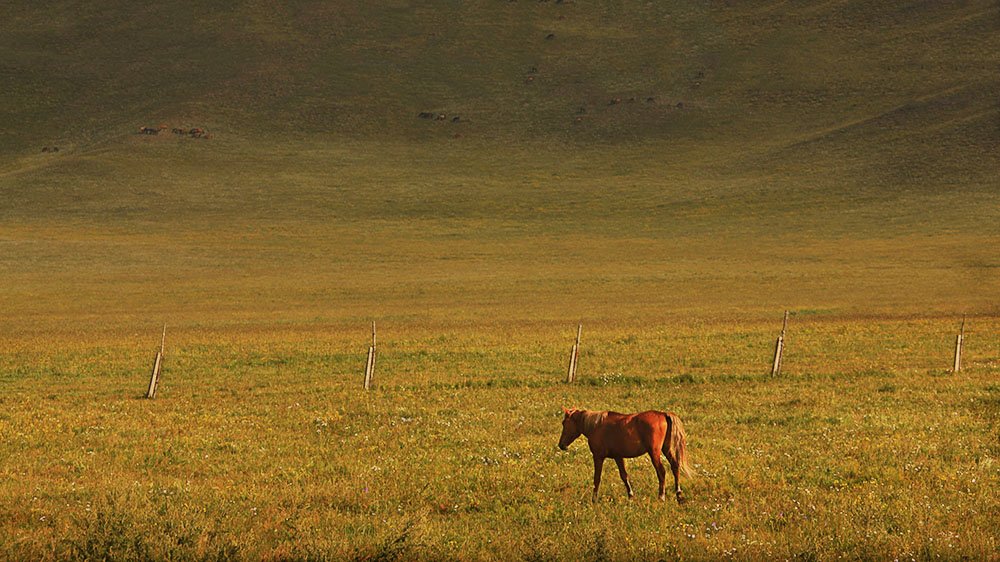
[[574, 354], [154, 379], [370, 365], [958, 348], [779, 347]]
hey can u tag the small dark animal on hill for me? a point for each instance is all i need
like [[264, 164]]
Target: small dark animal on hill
[[550, 36], [425, 115], [148, 131]]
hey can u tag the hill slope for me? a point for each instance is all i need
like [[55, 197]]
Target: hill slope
[[760, 70], [699, 133]]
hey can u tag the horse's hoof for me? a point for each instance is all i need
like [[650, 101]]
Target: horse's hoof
[[662, 497], [681, 500]]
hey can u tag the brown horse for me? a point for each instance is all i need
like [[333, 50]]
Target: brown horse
[[625, 436]]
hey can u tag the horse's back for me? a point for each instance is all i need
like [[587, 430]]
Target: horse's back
[[654, 418], [649, 418]]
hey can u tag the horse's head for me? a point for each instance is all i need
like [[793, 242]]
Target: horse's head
[[572, 428]]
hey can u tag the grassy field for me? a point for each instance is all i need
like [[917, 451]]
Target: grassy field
[[835, 159], [261, 444]]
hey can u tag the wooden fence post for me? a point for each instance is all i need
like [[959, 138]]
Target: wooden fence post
[[779, 347], [957, 366], [154, 379], [573, 356], [370, 365]]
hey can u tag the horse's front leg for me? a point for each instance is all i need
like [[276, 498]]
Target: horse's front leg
[[598, 466], [621, 472]]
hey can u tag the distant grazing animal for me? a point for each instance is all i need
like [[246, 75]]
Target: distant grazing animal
[[550, 36], [456, 119], [625, 436], [148, 131], [45, 149], [425, 115], [680, 105], [441, 117], [650, 100]]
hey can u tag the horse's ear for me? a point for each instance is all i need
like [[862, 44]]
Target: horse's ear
[[567, 412]]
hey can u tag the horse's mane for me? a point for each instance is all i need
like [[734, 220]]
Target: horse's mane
[[592, 419]]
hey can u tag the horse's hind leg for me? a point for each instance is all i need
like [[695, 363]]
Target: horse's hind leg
[[661, 473], [675, 468], [621, 472]]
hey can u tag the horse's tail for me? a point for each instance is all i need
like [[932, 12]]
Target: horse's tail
[[676, 444]]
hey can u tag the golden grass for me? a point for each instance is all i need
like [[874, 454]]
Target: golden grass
[[262, 445]]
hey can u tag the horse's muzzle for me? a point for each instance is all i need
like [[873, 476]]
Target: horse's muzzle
[[563, 447]]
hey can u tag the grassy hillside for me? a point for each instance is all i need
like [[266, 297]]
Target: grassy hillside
[[775, 74], [830, 155]]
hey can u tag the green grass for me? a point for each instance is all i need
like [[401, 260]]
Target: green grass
[[262, 445]]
